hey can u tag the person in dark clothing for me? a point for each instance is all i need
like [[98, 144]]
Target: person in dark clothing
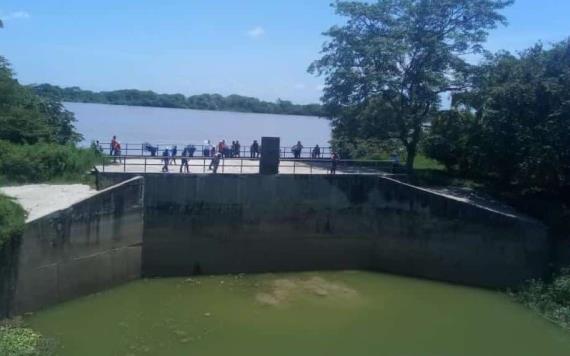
[[166, 159], [297, 149], [317, 152], [191, 150], [174, 152], [334, 162], [237, 150], [184, 164], [233, 150], [254, 149], [215, 162], [149, 148]]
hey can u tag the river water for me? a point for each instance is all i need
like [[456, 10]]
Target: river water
[[329, 313], [137, 124]]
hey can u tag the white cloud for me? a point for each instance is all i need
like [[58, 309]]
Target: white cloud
[[320, 87], [15, 15], [256, 32], [300, 86]]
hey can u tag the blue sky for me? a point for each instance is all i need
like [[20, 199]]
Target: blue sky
[[260, 48]]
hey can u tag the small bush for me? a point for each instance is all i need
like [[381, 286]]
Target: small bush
[[12, 219], [44, 162], [549, 299], [19, 341]]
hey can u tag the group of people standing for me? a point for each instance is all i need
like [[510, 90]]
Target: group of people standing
[[297, 151], [218, 152]]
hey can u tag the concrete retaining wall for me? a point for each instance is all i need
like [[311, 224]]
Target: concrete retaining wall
[[88, 247], [234, 224]]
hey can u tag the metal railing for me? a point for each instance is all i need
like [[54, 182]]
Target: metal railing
[[140, 149], [148, 164]]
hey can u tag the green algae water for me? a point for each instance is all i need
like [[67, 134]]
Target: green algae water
[[329, 313]]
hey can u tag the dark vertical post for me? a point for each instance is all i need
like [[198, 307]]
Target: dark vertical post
[[270, 152]]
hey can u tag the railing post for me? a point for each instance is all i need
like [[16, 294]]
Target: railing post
[[204, 166], [241, 166], [145, 164], [124, 164], [223, 164], [311, 167], [294, 163]]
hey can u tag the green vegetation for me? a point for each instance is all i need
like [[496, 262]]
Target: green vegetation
[[386, 68], [43, 162], [513, 126], [37, 136], [16, 340], [214, 102], [12, 219], [552, 299]]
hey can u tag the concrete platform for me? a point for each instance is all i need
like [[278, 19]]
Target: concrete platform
[[229, 166]]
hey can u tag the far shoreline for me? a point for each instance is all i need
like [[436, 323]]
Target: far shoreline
[[201, 110]]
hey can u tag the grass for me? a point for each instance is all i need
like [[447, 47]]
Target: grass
[[424, 163]]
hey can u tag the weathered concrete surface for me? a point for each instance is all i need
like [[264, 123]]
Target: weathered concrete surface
[[88, 247], [247, 223], [247, 166]]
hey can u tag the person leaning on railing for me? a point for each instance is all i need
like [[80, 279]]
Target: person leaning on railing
[[316, 152]]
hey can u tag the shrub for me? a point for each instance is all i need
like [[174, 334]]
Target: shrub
[[550, 299], [45, 162], [19, 341], [12, 219]]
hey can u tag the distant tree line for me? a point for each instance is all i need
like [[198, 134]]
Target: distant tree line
[[215, 102]]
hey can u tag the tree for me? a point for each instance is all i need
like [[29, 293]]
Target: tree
[[386, 68], [520, 134], [26, 118]]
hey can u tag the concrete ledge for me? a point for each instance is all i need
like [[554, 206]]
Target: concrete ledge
[[253, 223], [92, 245]]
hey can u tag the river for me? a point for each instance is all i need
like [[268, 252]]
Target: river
[[137, 124], [318, 313]]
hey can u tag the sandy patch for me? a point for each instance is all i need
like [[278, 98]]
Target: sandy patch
[[284, 290], [43, 199]]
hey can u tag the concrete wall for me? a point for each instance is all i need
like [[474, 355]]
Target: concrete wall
[[88, 247], [250, 223]]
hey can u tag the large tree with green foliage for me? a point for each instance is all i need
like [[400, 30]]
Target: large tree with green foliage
[[388, 65], [514, 124], [27, 118]]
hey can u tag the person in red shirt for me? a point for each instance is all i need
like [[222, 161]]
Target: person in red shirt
[[113, 144]]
